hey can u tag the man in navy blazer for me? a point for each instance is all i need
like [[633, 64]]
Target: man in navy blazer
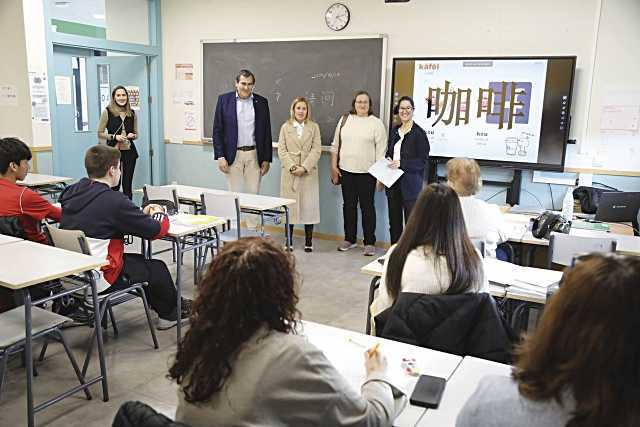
[[242, 141]]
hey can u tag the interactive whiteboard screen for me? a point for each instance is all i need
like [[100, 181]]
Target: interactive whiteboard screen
[[500, 111]]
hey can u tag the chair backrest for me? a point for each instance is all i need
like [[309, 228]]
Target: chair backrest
[[154, 192], [11, 226], [71, 240], [225, 206], [563, 248], [480, 245]]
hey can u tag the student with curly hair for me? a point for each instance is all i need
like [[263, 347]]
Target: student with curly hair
[[242, 361]]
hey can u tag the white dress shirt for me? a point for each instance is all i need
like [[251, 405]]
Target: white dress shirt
[[246, 116]]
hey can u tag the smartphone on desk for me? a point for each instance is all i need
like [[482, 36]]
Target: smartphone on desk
[[428, 391]]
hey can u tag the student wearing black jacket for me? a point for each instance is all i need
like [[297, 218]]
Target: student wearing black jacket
[[105, 216], [408, 149]]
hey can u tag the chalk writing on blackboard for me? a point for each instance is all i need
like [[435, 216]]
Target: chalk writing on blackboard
[[327, 75]]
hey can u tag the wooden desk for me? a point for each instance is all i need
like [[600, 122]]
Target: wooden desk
[[517, 231], [188, 235], [249, 203], [46, 184], [52, 263], [460, 387], [4, 239], [348, 359]]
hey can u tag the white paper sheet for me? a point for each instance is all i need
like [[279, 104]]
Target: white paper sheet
[[63, 90], [383, 173]]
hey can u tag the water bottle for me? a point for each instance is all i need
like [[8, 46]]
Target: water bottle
[[567, 204]]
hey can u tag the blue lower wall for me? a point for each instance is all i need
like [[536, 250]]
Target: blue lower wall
[[194, 165]]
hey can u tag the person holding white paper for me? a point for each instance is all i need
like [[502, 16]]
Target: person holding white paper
[[408, 149]]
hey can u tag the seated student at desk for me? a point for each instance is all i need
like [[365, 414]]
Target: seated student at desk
[[484, 221], [434, 254], [242, 363], [18, 201], [105, 216], [22, 203], [580, 367]]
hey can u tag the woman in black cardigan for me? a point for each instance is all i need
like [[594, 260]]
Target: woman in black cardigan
[[408, 149], [118, 127]]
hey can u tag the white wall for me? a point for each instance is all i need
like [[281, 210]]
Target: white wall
[[417, 28], [128, 20], [36, 46], [14, 120]]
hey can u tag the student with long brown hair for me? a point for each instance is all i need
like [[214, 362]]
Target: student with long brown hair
[[582, 365], [434, 254], [243, 363]]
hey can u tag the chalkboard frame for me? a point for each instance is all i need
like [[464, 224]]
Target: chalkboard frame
[[380, 111]]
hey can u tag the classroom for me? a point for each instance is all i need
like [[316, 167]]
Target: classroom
[[363, 212]]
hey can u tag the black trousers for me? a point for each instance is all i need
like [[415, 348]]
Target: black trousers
[[359, 188], [161, 292], [398, 207], [308, 233], [128, 166]]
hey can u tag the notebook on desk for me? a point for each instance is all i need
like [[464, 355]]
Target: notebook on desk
[[526, 210]]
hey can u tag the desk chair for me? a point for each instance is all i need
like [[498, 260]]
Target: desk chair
[[76, 241], [563, 248], [153, 192], [45, 324]]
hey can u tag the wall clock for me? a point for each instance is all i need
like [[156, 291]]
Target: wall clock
[[337, 16]]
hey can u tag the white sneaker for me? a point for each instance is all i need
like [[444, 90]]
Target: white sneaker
[[346, 245]]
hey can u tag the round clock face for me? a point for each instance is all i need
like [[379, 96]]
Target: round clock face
[[337, 16]]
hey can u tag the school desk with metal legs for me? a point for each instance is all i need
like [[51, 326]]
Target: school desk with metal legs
[[34, 263]]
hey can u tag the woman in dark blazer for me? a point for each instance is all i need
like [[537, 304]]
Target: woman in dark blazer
[[408, 149]]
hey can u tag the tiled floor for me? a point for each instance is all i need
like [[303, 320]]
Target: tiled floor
[[333, 292]]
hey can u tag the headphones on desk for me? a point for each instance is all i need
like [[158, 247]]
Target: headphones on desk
[[547, 223]]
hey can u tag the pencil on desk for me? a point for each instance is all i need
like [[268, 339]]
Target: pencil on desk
[[374, 349]]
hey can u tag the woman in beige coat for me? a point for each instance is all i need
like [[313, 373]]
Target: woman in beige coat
[[299, 152]]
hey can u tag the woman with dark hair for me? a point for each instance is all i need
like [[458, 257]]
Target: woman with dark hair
[[360, 140], [243, 363], [434, 254], [408, 149], [582, 365], [118, 126]]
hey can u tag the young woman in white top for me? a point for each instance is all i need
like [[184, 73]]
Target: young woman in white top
[[243, 362], [484, 221], [581, 367], [434, 254], [359, 141], [299, 149]]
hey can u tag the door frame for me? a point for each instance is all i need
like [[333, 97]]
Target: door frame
[[153, 54]]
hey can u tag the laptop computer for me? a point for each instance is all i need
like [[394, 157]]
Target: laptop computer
[[618, 207]]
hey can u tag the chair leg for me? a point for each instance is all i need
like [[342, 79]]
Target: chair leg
[[44, 349], [85, 366], [3, 369], [72, 359], [152, 329], [113, 321]]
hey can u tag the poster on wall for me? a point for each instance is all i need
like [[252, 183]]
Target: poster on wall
[[39, 90], [190, 121], [183, 85], [134, 97], [63, 90], [8, 96]]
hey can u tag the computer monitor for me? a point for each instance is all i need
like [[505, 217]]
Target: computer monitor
[[618, 207]]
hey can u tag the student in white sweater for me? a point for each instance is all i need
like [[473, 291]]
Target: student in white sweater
[[434, 254], [484, 221], [581, 367]]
